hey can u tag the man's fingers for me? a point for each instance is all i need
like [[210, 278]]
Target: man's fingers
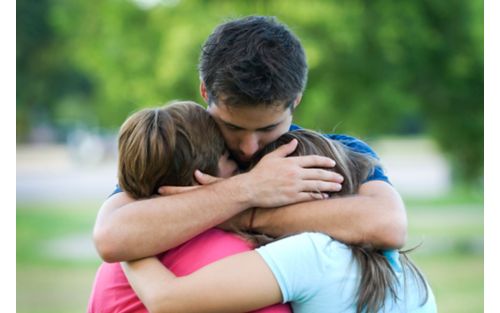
[[205, 179], [314, 161], [284, 150], [309, 196], [320, 186], [321, 174], [173, 190]]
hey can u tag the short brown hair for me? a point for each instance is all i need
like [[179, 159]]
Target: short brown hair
[[251, 61], [164, 146]]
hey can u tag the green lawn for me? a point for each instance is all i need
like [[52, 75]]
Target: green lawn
[[46, 282], [450, 255]]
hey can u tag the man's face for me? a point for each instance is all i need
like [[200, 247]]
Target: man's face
[[246, 130]]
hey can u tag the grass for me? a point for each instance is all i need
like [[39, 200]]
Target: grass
[[47, 283], [451, 254], [38, 224], [450, 230], [456, 280], [52, 289]]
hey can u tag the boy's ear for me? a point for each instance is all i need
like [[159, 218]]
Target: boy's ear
[[203, 92], [297, 101]]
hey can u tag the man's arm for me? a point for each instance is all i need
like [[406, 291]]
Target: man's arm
[[376, 216], [126, 229]]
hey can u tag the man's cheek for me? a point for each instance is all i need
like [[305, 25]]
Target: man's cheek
[[232, 143]]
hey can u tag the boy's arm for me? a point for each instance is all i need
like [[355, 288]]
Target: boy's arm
[[126, 229], [375, 216]]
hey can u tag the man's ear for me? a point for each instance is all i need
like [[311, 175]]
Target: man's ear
[[203, 92], [297, 101]]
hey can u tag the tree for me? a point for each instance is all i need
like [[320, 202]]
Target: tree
[[376, 66]]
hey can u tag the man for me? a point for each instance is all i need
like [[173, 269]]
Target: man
[[253, 73]]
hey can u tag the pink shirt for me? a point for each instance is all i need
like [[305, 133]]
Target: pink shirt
[[112, 293]]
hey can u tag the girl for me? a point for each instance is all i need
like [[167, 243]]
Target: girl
[[158, 147], [311, 270]]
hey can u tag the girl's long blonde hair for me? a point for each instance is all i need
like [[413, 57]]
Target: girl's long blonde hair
[[377, 276]]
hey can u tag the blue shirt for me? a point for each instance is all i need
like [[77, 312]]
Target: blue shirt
[[318, 274]]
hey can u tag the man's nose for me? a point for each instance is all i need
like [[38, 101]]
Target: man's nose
[[249, 145]]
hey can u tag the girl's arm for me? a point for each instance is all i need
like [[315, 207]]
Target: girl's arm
[[239, 283]]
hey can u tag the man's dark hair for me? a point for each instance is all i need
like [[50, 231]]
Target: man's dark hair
[[253, 60]]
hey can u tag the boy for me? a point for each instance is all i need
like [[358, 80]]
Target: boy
[[253, 73]]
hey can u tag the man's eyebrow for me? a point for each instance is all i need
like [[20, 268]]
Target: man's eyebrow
[[269, 126], [230, 125], [258, 129]]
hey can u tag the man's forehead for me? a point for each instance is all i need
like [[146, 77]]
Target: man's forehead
[[256, 117]]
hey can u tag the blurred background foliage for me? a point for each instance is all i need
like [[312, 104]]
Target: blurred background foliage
[[392, 72], [376, 67]]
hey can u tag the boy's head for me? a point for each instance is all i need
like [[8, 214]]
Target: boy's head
[[164, 146], [257, 65], [253, 61], [355, 167]]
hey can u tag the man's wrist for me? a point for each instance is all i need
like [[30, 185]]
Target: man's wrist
[[262, 220], [240, 190]]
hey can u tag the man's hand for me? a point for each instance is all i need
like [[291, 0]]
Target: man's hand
[[279, 180], [205, 179]]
